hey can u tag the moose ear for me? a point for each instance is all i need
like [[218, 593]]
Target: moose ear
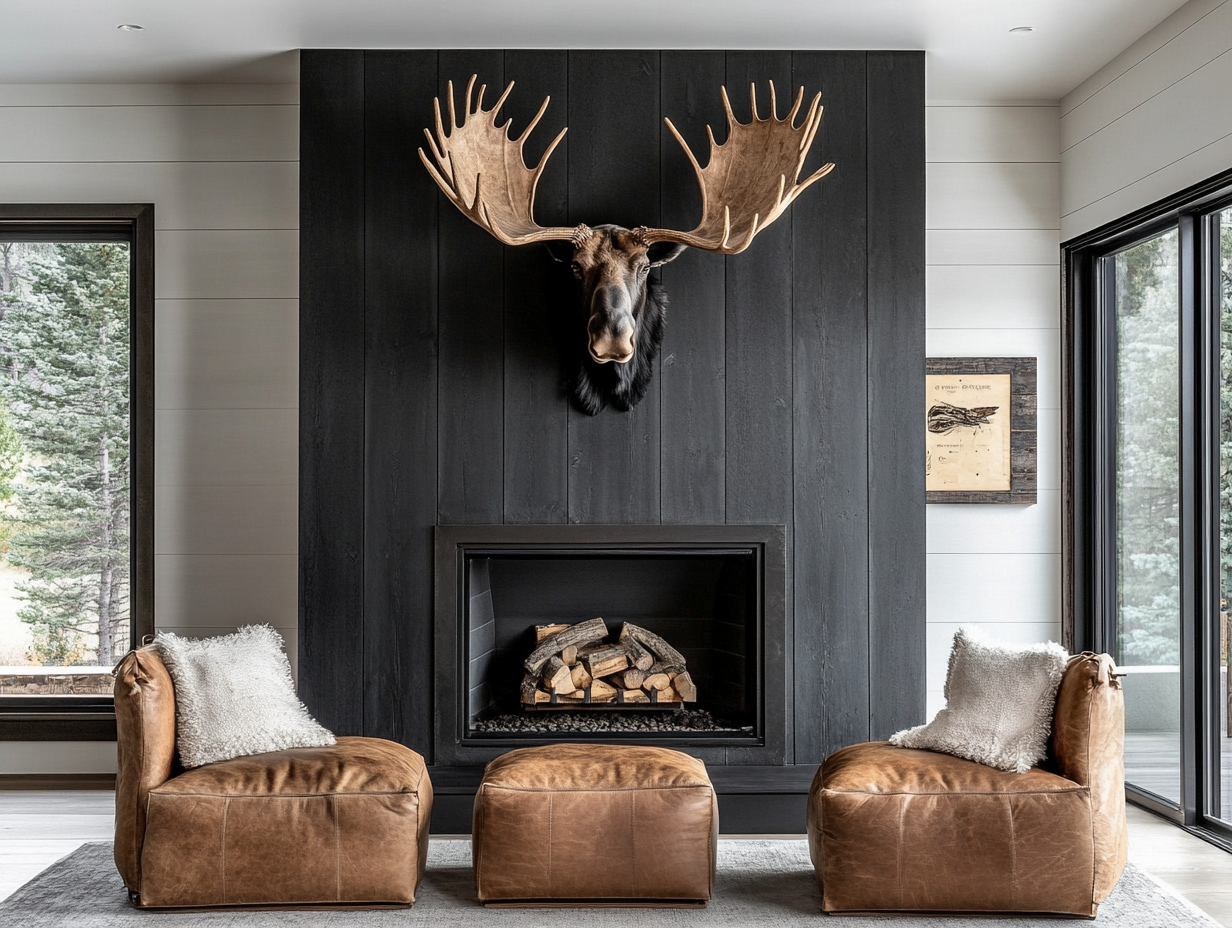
[[561, 252], [662, 252]]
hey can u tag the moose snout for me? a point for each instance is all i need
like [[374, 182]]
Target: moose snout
[[611, 329]]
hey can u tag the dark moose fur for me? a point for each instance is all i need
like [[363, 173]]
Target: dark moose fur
[[624, 385]]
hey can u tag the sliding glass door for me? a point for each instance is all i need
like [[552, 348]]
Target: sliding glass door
[[1148, 534], [1147, 614]]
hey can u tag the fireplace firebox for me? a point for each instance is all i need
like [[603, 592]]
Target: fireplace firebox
[[716, 593]]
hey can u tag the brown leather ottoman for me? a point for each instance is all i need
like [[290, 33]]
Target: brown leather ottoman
[[595, 825]]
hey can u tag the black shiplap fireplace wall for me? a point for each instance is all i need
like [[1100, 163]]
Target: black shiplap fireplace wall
[[789, 388]]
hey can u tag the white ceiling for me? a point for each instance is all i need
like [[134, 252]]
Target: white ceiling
[[971, 53]]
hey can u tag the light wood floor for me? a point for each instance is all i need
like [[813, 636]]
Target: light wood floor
[[39, 827]]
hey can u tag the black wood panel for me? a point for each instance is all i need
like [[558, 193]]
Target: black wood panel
[[331, 400], [896, 576], [470, 326], [759, 369], [401, 435], [692, 364], [614, 128], [536, 306], [831, 429]]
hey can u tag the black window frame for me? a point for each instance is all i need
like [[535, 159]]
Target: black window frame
[[92, 718], [1089, 436]]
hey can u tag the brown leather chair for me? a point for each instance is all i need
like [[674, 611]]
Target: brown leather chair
[[343, 825], [895, 829]]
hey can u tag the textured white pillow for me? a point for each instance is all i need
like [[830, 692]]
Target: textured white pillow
[[234, 696], [999, 704]]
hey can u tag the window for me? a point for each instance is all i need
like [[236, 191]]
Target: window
[[75, 461]]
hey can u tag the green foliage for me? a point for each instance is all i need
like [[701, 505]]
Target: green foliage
[[1148, 467], [67, 339], [1225, 405]]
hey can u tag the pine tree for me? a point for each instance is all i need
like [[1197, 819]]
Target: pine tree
[[68, 393]]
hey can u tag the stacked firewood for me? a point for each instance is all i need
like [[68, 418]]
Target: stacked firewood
[[575, 665]]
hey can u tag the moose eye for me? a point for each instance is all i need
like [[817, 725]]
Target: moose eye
[[577, 270], [643, 269]]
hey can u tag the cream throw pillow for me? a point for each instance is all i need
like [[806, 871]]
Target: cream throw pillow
[[234, 696], [999, 704]]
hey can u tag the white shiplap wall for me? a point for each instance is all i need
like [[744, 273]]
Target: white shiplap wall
[[220, 163], [1153, 121], [993, 290]]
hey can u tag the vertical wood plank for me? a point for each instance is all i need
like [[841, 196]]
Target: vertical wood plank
[[614, 125], [830, 275], [401, 435], [537, 308], [896, 578], [471, 422], [759, 376], [691, 367], [331, 401]]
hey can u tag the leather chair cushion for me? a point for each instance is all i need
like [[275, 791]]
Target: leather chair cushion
[[592, 823], [346, 824], [910, 830]]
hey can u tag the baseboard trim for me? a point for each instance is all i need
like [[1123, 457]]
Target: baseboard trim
[[32, 781]]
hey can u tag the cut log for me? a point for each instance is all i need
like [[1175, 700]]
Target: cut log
[[667, 695], [631, 679], [639, 657], [569, 655], [581, 679], [557, 677], [657, 681], [683, 684], [628, 696], [530, 683], [577, 635], [608, 661], [666, 667], [660, 648], [575, 696], [547, 631], [601, 692]]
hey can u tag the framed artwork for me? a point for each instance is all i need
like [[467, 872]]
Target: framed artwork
[[980, 426]]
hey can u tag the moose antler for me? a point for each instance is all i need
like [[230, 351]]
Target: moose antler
[[482, 170], [745, 184]]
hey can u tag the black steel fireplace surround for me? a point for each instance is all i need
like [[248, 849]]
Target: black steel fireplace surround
[[434, 390], [715, 592]]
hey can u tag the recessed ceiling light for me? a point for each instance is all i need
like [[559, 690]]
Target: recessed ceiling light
[[1023, 29], [130, 27]]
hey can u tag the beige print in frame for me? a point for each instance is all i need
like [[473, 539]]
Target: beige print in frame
[[968, 432]]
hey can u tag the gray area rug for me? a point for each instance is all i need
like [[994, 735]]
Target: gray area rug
[[766, 884]]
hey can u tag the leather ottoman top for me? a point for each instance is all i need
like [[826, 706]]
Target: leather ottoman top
[[563, 767], [879, 767], [353, 765]]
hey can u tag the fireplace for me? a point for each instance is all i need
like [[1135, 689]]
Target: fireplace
[[715, 593]]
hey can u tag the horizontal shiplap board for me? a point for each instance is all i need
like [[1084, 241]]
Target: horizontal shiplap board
[[1194, 47], [940, 637], [147, 94], [996, 528], [226, 447], [994, 588], [226, 265], [993, 196], [1165, 181], [993, 297], [205, 590], [186, 195], [62, 757], [992, 246], [1042, 344], [1179, 120], [992, 133], [226, 520], [149, 133], [226, 354]]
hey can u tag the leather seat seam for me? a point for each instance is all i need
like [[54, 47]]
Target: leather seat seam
[[589, 789], [176, 792], [1007, 792]]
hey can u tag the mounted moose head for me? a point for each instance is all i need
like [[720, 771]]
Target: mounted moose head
[[749, 181]]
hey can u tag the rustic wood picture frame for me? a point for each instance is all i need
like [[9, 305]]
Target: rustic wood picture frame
[[1023, 428]]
